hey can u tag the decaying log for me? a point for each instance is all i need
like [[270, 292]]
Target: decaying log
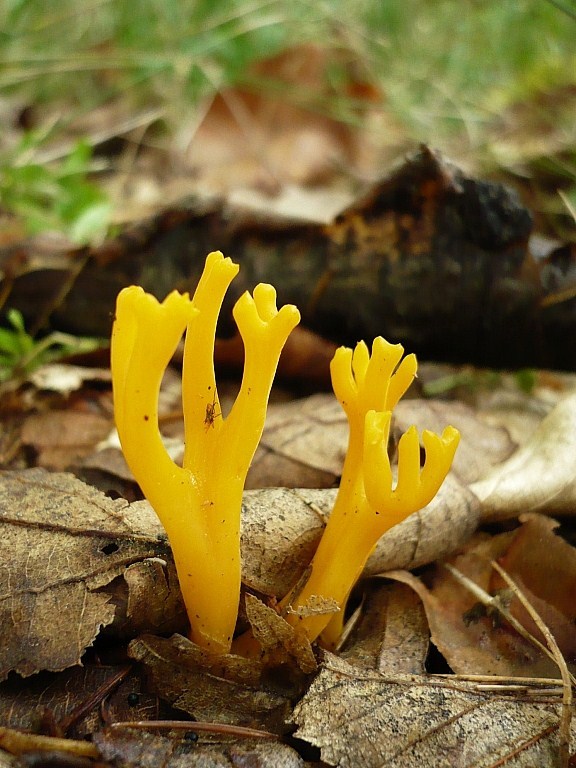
[[429, 256]]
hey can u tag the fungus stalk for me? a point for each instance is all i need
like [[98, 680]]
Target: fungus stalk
[[198, 503], [368, 504]]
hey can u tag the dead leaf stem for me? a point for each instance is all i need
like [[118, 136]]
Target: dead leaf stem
[[91, 701], [566, 713], [222, 729], [495, 603]]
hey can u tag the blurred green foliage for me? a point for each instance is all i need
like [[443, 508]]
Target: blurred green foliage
[[54, 196], [436, 61], [443, 66], [21, 354]]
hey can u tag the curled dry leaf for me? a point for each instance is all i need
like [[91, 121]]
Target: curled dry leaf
[[519, 411], [540, 476], [404, 721], [392, 632], [481, 446], [221, 689], [476, 639], [61, 543], [303, 445], [280, 642], [149, 599], [281, 529]]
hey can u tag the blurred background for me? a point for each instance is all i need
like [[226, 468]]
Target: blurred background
[[110, 109]]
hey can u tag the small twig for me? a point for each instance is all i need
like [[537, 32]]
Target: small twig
[[89, 703], [568, 204], [524, 746], [20, 742], [494, 603], [503, 679], [566, 715], [534, 686], [194, 725], [558, 297], [56, 301]]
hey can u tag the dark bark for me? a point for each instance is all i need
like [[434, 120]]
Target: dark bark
[[429, 257]]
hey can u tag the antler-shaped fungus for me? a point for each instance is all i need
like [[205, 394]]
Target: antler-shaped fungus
[[367, 505], [199, 503]]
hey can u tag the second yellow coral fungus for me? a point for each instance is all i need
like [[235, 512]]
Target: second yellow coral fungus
[[368, 503], [198, 503]]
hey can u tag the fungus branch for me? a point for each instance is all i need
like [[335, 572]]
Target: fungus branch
[[368, 504], [199, 503]]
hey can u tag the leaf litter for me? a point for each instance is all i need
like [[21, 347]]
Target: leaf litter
[[109, 565], [368, 719], [73, 558]]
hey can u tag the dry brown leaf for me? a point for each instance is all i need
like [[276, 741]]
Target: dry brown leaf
[[303, 445], [313, 430], [180, 651], [314, 433], [392, 633], [311, 434], [481, 446], [371, 720], [219, 689], [518, 411], [73, 699], [280, 642], [475, 639], [61, 542], [540, 476], [252, 138], [281, 529], [62, 438], [135, 748], [543, 565], [132, 749], [153, 601]]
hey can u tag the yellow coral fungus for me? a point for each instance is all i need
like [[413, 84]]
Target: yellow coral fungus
[[199, 503], [367, 505]]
